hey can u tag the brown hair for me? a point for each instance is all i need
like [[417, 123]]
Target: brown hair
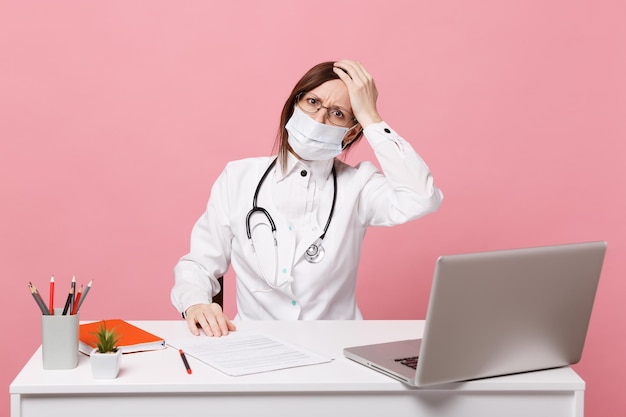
[[313, 78]]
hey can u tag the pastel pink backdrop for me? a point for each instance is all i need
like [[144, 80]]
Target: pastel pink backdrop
[[117, 116]]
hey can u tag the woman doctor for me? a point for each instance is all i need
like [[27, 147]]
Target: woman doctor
[[292, 225]]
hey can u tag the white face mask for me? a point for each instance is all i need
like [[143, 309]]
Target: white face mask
[[312, 140]]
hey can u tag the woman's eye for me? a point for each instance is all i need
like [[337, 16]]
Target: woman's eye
[[338, 114], [312, 101]]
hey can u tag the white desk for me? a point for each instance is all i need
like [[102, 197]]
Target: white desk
[[155, 383]]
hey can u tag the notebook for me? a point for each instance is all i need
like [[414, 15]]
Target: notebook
[[131, 338], [497, 313]]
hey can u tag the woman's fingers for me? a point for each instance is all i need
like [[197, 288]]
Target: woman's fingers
[[210, 318], [362, 90]]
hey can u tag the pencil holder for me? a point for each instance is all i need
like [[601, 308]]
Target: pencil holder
[[59, 340]]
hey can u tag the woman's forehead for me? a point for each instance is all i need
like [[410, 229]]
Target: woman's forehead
[[333, 93]]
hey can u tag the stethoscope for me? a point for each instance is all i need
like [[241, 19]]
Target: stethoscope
[[315, 252]]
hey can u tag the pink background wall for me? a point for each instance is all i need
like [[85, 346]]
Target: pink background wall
[[117, 116]]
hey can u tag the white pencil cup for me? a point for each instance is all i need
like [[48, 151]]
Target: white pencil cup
[[59, 340]]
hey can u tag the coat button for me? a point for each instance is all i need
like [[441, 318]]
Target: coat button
[[303, 172], [387, 130]]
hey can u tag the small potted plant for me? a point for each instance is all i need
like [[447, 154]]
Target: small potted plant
[[105, 358]]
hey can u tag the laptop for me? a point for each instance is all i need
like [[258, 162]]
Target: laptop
[[497, 313]]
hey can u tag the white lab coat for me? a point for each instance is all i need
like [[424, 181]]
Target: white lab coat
[[289, 287]]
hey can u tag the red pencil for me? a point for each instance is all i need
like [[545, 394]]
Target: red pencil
[[82, 298], [51, 305], [77, 300]]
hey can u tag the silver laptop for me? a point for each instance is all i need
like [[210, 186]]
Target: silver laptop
[[497, 313]]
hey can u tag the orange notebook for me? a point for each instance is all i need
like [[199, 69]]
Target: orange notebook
[[132, 338]]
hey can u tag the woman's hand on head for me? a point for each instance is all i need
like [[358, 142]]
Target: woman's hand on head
[[362, 90], [210, 318]]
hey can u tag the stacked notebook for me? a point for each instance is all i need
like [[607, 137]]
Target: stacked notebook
[[131, 338]]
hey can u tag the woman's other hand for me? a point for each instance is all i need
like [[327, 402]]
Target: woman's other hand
[[210, 318]]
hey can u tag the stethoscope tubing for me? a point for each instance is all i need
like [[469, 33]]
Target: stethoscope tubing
[[315, 252], [256, 208]]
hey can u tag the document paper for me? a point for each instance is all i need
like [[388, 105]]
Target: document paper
[[243, 353]]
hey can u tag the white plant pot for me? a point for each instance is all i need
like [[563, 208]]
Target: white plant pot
[[105, 365]]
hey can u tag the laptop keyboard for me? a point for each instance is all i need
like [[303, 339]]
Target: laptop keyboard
[[410, 362]]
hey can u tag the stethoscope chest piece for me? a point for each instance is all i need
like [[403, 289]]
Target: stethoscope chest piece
[[315, 252]]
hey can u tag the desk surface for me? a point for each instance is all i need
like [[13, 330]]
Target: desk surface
[[163, 372]]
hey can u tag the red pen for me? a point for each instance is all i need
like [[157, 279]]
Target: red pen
[[184, 358]]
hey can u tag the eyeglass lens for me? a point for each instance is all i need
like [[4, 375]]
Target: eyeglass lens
[[308, 103]]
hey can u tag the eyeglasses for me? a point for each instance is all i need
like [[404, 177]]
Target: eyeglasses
[[311, 104]]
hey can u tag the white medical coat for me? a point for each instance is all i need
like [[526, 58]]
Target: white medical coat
[[277, 282]]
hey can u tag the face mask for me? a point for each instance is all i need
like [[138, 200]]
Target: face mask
[[312, 140]]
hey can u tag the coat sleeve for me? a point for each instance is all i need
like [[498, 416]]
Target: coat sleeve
[[405, 190], [196, 273]]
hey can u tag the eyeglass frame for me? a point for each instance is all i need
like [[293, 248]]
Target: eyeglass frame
[[301, 95]]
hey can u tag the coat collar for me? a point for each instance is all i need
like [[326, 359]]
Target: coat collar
[[319, 170]]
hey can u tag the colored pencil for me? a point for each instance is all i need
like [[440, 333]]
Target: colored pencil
[[73, 294], [77, 300], [82, 298], [51, 303], [68, 301], [38, 299]]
